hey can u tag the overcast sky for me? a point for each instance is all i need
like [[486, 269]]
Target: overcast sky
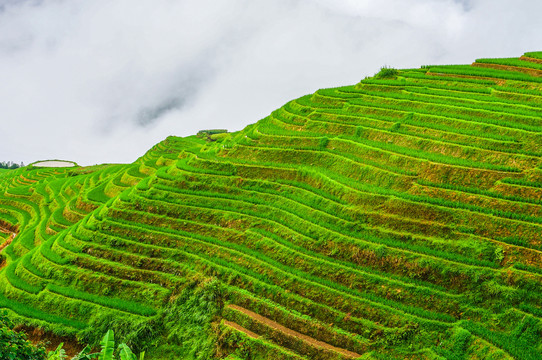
[[102, 81]]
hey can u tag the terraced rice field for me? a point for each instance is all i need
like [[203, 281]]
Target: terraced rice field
[[398, 218]]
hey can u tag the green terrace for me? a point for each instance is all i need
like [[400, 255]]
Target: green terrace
[[397, 218]]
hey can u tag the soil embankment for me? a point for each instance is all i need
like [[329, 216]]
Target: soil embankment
[[8, 241], [290, 332], [51, 341]]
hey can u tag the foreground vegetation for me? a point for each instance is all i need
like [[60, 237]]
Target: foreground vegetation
[[15, 346], [108, 351], [397, 218]]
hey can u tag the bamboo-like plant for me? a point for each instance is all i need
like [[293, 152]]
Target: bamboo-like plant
[[108, 346], [58, 354], [107, 351], [85, 354]]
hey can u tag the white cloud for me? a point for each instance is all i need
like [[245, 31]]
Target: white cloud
[[104, 80]]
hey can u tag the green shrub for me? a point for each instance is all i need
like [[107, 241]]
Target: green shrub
[[386, 73], [14, 345]]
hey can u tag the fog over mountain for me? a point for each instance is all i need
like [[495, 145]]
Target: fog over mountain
[[102, 81]]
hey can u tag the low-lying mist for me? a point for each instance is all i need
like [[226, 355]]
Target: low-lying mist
[[102, 81]]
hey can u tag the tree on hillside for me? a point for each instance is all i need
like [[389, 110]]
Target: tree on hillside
[[10, 165]]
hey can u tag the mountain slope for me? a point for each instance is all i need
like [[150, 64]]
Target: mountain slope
[[400, 217]]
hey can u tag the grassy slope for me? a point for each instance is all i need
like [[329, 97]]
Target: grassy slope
[[397, 218]]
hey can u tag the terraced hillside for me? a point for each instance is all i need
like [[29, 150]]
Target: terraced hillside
[[398, 218]]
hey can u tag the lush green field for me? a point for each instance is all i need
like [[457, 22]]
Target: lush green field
[[397, 218]]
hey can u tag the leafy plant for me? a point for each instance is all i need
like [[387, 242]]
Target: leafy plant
[[108, 346], [58, 354], [14, 345], [85, 354], [107, 352]]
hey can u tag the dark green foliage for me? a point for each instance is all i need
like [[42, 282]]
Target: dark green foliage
[[10, 165], [386, 73], [14, 345], [187, 320]]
